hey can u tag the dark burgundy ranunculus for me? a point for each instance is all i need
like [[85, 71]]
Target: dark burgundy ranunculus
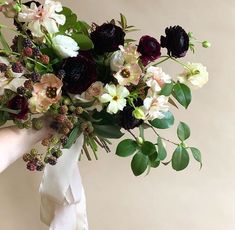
[[176, 41], [149, 48], [79, 74], [19, 103], [126, 118], [107, 38]]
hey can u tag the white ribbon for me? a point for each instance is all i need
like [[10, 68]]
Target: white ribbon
[[63, 203]]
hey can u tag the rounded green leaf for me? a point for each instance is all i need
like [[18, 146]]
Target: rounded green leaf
[[197, 155], [183, 131], [182, 94], [167, 89], [126, 148], [155, 164], [148, 148], [161, 150], [165, 122], [180, 158], [139, 164]]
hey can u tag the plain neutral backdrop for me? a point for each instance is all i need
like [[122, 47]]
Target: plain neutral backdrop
[[165, 200]]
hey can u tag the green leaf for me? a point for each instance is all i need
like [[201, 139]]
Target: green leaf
[[84, 42], [126, 148], [155, 164], [148, 148], [108, 131], [75, 133], [183, 131], [180, 158], [182, 94], [161, 149], [139, 164], [71, 19], [3, 117], [197, 155], [123, 21], [165, 122], [167, 89]]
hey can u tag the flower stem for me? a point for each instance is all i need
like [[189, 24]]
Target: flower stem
[[181, 63], [172, 142], [132, 134]]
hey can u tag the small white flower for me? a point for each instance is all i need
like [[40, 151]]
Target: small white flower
[[47, 16], [115, 96], [155, 78], [155, 107], [195, 75], [65, 46]]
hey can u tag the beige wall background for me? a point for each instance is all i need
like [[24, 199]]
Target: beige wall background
[[164, 200]]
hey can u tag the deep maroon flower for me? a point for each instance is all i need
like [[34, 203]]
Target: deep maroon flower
[[149, 48], [176, 41], [79, 74], [126, 118], [107, 38], [19, 103]]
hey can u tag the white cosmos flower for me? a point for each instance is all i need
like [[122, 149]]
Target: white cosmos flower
[[155, 78], [65, 46], [115, 96], [155, 107], [195, 75], [47, 16]]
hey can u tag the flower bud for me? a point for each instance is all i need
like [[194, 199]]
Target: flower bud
[[138, 113], [206, 44], [140, 140]]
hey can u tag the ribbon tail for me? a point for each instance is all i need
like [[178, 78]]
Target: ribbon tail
[[63, 202]]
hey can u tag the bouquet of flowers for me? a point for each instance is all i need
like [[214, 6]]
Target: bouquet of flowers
[[93, 80]]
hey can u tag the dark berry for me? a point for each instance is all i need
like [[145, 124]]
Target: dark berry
[[27, 157], [35, 77], [63, 140], [3, 67], [52, 160], [21, 90], [17, 67], [40, 166], [31, 166], [36, 52], [27, 43]]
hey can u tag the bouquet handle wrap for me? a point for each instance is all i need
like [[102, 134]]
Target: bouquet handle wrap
[[63, 203]]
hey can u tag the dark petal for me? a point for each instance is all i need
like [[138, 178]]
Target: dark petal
[[19, 103], [80, 73]]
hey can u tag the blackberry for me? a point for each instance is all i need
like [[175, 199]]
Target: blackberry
[[40, 166], [28, 84], [52, 160], [35, 77], [28, 52], [27, 43], [44, 59], [3, 67], [21, 90], [63, 140], [36, 52], [17, 67], [31, 166]]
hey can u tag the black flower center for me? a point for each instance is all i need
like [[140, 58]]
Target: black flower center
[[125, 73], [51, 92]]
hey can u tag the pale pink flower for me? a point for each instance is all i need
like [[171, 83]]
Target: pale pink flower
[[155, 78], [129, 74], [43, 16], [45, 93]]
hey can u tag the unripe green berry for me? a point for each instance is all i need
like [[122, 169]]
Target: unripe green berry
[[37, 123]]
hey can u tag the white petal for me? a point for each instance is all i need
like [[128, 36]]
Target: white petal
[[50, 25], [105, 98], [121, 104], [122, 92], [111, 89], [59, 18], [112, 107], [35, 28]]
